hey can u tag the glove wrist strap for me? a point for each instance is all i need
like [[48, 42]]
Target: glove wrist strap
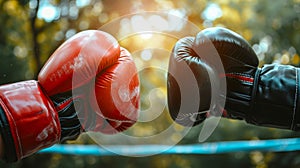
[[69, 122]]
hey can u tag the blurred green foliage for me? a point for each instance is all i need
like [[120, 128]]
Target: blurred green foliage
[[29, 36]]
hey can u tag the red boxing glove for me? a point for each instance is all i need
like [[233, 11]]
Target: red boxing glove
[[100, 76], [88, 84]]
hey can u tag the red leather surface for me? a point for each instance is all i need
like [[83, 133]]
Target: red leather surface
[[78, 60], [32, 118]]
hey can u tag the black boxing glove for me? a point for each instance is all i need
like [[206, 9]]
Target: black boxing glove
[[267, 96]]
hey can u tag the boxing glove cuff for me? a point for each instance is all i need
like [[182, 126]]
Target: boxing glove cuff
[[276, 99], [28, 120], [270, 98]]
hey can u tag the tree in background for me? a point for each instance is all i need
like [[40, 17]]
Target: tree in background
[[13, 62]]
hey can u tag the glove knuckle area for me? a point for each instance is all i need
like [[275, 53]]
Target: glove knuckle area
[[183, 49], [221, 43], [187, 81], [80, 58], [116, 94]]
